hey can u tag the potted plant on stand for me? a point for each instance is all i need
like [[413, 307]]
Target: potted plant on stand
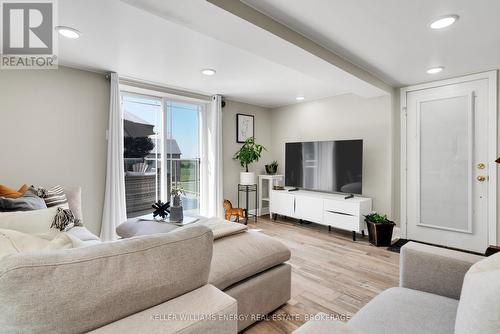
[[248, 153], [379, 229], [176, 213]]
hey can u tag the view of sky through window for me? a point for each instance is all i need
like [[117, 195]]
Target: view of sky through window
[[185, 119]]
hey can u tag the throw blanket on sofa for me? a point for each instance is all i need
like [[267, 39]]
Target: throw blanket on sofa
[[222, 228], [12, 241]]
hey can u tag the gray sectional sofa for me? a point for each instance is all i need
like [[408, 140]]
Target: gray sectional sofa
[[178, 282], [427, 300], [251, 268]]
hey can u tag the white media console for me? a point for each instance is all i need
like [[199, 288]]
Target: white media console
[[332, 210]]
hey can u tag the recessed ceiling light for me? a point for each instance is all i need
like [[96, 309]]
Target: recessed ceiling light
[[208, 71], [300, 98], [444, 21], [68, 32], [434, 70]]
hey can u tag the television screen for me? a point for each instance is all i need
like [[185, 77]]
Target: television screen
[[330, 166]]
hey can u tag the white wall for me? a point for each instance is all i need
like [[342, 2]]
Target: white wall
[[262, 136], [344, 117], [498, 150], [52, 130]]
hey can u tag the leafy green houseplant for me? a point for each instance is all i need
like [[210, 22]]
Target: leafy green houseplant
[[249, 152], [379, 229], [272, 168]]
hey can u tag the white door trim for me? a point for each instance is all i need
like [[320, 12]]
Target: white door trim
[[491, 76]]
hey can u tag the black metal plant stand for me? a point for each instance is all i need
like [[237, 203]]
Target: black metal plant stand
[[243, 188]]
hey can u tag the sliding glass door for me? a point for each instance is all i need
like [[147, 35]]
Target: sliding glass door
[[161, 150], [143, 134], [182, 152]]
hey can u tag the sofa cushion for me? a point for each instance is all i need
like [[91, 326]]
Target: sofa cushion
[[479, 305], [81, 289], [31, 222], [243, 255], [204, 310], [401, 310]]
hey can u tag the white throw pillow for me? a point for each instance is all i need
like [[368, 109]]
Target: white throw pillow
[[479, 306], [31, 222]]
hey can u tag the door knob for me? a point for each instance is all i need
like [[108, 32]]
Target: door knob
[[481, 166], [481, 178]]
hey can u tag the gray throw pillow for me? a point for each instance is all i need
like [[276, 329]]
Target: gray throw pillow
[[27, 202]]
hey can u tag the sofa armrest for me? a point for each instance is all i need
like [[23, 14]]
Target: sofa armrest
[[102, 283], [433, 269], [204, 310]]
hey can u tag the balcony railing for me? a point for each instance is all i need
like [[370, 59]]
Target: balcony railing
[[143, 188]]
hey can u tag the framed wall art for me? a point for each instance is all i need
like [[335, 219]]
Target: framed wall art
[[244, 127]]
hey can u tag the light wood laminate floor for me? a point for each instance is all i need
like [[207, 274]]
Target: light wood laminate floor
[[330, 273]]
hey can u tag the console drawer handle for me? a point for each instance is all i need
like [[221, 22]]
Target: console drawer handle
[[340, 213]]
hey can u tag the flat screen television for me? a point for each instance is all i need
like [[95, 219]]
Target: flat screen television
[[329, 166]]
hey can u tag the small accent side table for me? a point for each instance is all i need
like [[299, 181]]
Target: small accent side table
[[247, 189], [271, 181]]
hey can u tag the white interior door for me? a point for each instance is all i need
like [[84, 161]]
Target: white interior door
[[447, 165]]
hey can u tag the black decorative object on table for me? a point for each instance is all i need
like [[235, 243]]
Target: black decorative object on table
[[161, 209]]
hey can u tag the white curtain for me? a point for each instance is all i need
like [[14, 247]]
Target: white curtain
[[212, 197], [114, 212]]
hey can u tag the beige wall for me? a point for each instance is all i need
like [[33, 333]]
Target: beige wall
[[344, 117], [52, 129], [262, 135]]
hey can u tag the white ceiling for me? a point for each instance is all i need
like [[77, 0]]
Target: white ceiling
[[171, 46], [391, 38]]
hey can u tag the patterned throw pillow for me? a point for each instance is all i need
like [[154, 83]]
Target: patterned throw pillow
[[65, 220], [54, 196]]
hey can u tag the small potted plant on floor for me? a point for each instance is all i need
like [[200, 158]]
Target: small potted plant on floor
[[272, 168], [248, 153], [379, 229]]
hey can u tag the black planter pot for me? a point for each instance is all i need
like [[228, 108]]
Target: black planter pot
[[271, 170], [380, 234]]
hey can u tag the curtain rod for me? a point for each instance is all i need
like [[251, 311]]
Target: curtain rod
[[161, 88]]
